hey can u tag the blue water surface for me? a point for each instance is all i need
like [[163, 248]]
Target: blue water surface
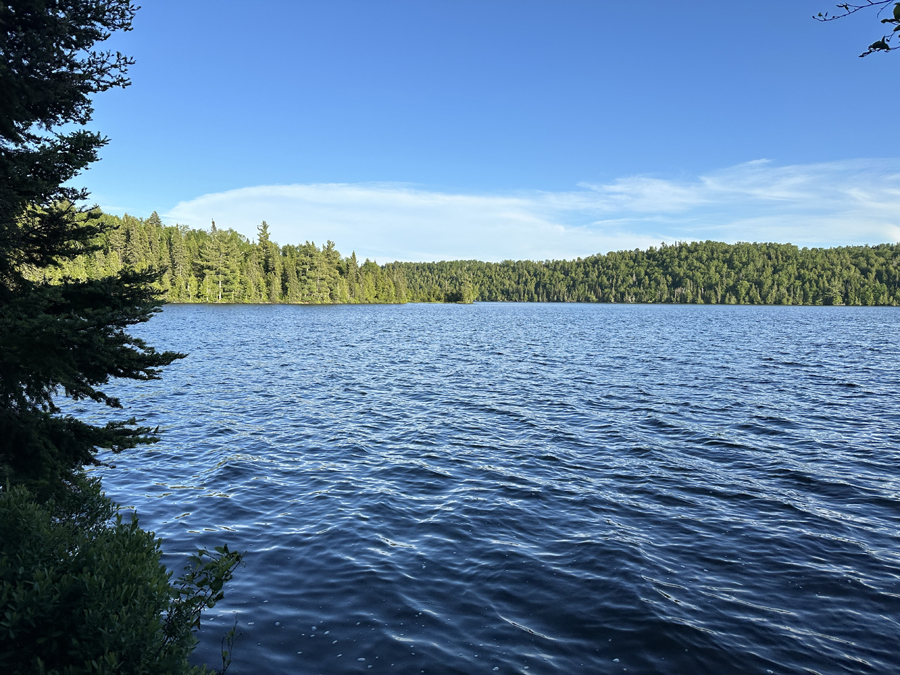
[[532, 488]]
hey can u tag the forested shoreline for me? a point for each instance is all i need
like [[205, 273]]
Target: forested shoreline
[[691, 273], [223, 266]]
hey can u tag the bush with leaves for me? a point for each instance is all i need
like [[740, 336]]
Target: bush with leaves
[[82, 590]]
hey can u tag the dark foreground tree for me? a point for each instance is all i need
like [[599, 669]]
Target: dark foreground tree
[[887, 42], [69, 337], [81, 589]]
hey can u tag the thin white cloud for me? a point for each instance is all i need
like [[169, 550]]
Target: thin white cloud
[[830, 204], [648, 195]]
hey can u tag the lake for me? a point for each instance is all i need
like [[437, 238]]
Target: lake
[[532, 488]]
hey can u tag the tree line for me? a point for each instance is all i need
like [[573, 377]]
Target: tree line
[[696, 273], [223, 266]]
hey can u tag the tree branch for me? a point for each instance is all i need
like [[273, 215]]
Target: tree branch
[[885, 43]]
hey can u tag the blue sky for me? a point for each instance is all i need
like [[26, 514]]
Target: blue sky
[[439, 129]]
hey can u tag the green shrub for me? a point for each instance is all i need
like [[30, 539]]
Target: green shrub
[[83, 591]]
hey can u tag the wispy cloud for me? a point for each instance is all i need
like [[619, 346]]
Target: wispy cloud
[[838, 203]]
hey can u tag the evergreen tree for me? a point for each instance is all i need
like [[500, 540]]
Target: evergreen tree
[[274, 280], [137, 248], [265, 246], [352, 274], [253, 279], [68, 337], [180, 266]]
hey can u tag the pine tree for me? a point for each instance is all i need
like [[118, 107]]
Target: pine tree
[[210, 263], [180, 268], [274, 280], [137, 248], [265, 245], [230, 271]]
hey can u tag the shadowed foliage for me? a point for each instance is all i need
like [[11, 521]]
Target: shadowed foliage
[[82, 590], [68, 337]]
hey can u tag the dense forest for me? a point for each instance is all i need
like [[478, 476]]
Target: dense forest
[[224, 266], [696, 272]]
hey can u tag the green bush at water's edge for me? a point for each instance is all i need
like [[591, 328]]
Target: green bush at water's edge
[[83, 591]]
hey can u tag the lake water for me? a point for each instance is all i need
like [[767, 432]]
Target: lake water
[[533, 488]]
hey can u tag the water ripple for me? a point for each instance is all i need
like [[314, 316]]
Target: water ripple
[[533, 488]]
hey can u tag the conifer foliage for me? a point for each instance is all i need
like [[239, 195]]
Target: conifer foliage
[[68, 337], [223, 266], [81, 589], [706, 272]]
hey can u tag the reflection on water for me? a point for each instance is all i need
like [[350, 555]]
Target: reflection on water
[[533, 488]]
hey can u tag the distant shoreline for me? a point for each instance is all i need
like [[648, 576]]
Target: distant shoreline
[[224, 267]]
